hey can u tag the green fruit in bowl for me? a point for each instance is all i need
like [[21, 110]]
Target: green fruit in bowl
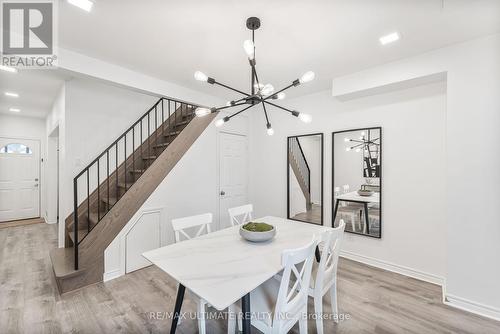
[[257, 227]]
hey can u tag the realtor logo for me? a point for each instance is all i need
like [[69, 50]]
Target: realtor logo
[[29, 33], [27, 28]]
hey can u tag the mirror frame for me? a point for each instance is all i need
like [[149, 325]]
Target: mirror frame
[[288, 177], [380, 181]]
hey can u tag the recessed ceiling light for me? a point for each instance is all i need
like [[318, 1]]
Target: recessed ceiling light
[[15, 109], [389, 38], [8, 69], [11, 94], [83, 4]]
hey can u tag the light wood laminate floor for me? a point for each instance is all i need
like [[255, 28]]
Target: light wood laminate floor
[[376, 301]]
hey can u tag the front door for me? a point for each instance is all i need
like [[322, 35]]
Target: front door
[[19, 179], [233, 174]]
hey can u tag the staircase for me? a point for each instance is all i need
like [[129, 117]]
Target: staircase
[[110, 190], [300, 169]]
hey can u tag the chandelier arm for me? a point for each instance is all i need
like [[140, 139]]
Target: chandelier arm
[[230, 88], [239, 112], [233, 105], [355, 146], [265, 112], [278, 106]]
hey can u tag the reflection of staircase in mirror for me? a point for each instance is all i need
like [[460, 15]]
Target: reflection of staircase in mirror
[[300, 169]]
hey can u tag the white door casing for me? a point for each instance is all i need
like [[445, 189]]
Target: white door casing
[[19, 179], [233, 174]]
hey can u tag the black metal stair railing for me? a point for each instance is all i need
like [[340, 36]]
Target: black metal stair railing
[[123, 162]]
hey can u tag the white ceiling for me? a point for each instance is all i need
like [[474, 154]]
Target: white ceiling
[[37, 91], [171, 39]]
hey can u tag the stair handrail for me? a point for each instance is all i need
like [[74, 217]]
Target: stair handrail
[[123, 137]]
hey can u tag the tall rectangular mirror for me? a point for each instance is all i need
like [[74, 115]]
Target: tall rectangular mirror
[[357, 180], [305, 178]]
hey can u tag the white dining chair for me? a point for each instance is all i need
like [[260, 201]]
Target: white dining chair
[[284, 303], [240, 214], [201, 224], [325, 274]]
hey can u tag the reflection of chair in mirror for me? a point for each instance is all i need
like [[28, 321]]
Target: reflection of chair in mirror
[[374, 219], [346, 212]]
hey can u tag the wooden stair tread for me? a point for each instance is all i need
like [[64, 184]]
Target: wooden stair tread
[[63, 262], [170, 134], [111, 201], [127, 185], [137, 171], [81, 234], [181, 123], [162, 145], [151, 157]]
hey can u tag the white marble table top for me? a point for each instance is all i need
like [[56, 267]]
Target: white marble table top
[[354, 196], [221, 267]]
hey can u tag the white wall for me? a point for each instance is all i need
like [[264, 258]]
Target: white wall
[[191, 188], [56, 122], [28, 128], [473, 104], [413, 122]]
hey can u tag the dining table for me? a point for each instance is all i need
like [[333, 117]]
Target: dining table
[[222, 268], [354, 197]]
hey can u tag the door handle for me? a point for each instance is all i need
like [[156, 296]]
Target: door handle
[[222, 192], [36, 185], [36, 180]]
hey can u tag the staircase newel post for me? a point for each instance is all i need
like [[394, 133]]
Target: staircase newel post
[[75, 212]]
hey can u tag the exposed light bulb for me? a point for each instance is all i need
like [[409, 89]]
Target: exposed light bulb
[[362, 137], [281, 96], [228, 103], [268, 89], [358, 150], [11, 94], [8, 69], [348, 149], [200, 76], [258, 86], [219, 122], [306, 77], [249, 48], [306, 118], [270, 130], [200, 112], [347, 139]]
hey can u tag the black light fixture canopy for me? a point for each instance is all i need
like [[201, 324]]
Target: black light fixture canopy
[[259, 93]]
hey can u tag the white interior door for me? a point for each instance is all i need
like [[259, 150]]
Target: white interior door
[[19, 179], [233, 174]]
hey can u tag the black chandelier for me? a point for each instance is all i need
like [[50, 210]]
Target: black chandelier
[[260, 93]]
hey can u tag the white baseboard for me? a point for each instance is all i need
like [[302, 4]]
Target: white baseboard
[[108, 276], [417, 274], [448, 299], [473, 307]]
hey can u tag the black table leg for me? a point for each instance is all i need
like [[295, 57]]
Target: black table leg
[[367, 221], [245, 308], [317, 254], [335, 211], [177, 309]]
